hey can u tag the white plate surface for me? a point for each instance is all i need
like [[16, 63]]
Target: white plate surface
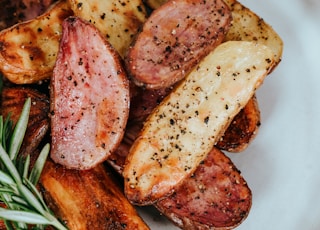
[[282, 165]]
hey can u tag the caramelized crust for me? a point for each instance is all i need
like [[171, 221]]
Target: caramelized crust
[[12, 101], [214, 197], [88, 199], [242, 129]]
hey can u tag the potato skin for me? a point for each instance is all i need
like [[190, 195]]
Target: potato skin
[[15, 11], [181, 131], [215, 196], [12, 101], [89, 96], [28, 50], [248, 26], [243, 128], [118, 21], [174, 39]]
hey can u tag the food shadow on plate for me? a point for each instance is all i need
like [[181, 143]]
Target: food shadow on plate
[[154, 218]]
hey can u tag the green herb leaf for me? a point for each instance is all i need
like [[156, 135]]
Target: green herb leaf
[[38, 166], [20, 130], [23, 216], [18, 191]]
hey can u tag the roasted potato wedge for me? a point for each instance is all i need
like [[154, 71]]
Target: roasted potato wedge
[[12, 101], [28, 50], [118, 21], [174, 39], [89, 97], [248, 26], [215, 197], [181, 131], [90, 199]]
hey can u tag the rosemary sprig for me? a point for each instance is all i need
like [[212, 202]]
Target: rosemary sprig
[[25, 206]]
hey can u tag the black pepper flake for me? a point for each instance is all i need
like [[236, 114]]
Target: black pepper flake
[[79, 5], [172, 122], [206, 120], [168, 49], [139, 8], [103, 16]]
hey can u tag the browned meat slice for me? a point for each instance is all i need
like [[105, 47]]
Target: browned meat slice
[[215, 197], [89, 97], [88, 199], [242, 129], [12, 101], [174, 38]]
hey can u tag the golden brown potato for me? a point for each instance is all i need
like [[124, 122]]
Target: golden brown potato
[[248, 26], [181, 131], [118, 21], [28, 50], [88, 199]]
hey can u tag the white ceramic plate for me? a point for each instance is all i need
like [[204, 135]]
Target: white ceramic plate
[[282, 165]]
